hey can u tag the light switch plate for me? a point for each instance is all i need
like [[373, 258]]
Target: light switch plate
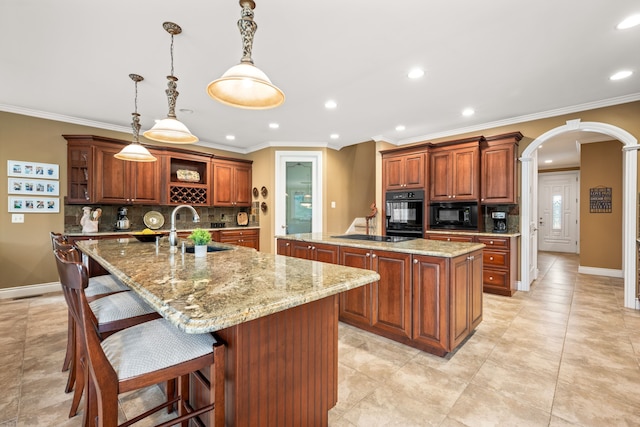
[[17, 217], [333, 204]]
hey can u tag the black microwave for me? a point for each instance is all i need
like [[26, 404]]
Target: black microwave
[[460, 215]]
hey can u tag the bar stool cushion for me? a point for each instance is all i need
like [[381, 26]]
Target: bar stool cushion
[[119, 306], [106, 284], [152, 346]]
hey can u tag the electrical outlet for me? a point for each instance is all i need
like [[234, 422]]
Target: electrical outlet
[[333, 204], [17, 218]]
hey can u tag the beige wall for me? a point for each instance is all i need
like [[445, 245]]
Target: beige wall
[[601, 233]]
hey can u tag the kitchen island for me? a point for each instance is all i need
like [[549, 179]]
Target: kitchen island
[[277, 315], [429, 295]]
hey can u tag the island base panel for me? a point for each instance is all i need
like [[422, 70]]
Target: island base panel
[[282, 369]]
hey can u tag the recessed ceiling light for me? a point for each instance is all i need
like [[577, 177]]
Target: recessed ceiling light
[[468, 112], [330, 104], [400, 128], [548, 161], [621, 75], [230, 137], [415, 73], [629, 22], [334, 136], [274, 125]]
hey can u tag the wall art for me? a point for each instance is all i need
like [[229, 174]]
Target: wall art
[[40, 187], [32, 169], [28, 204]]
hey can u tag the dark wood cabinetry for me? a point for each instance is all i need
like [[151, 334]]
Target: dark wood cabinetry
[[120, 181], [498, 169], [403, 171], [500, 264], [231, 183], [446, 309], [249, 238], [79, 172], [454, 171], [500, 260], [431, 303], [314, 251], [189, 179]]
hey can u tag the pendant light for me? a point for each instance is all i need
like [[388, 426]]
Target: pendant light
[[135, 152], [171, 129], [245, 85]]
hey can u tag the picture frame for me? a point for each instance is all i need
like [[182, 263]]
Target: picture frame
[[27, 204], [40, 187], [33, 169]]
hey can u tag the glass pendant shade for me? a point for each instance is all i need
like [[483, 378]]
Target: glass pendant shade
[[245, 86], [135, 152], [170, 130]]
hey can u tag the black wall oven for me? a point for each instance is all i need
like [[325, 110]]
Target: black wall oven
[[404, 213]]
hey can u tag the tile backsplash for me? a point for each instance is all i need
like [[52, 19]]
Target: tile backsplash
[[135, 214]]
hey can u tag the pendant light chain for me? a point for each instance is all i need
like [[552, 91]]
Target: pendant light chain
[[247, 27], [135, 124]]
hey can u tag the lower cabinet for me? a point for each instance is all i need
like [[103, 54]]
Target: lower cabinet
[[430, 303], [249, 238], [446, 307], [500, 258], [314, 251]]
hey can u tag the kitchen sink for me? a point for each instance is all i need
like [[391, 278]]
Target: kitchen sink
[[374, 238], [190, 249]]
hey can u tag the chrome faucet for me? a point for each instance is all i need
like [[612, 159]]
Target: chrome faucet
[[173, 235]]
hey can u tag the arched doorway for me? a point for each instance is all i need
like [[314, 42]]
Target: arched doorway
[[629, 198]]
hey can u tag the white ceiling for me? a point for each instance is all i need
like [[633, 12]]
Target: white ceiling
[[509, 60]]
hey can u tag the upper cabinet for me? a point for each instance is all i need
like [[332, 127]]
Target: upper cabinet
[[403, 171], [454, 171], [231, 182], [498, 166], [120, 181], [95, 176], [189, 179]]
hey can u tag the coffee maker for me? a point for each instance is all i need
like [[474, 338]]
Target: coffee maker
[[499, 222], [122, 222]]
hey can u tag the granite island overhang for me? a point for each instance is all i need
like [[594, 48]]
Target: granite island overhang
[[277, 315]]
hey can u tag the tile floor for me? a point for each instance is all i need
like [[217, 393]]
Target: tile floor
[[564, 354]]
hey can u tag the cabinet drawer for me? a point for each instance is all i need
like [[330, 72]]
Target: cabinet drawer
[[234, 234], [495, 258], [450, 238], [496, 242], [495, 278]]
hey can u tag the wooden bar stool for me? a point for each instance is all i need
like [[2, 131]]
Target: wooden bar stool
[[110, 313], [140, 356]]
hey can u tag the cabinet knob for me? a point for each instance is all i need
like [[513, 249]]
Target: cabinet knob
[[491, 242], [313, 248], [490, 277], [287, 244], [490, 258], [309, 247], [448, 239], [471, 258], [368, 254], [454, 196], [415, 261], [373, 255]]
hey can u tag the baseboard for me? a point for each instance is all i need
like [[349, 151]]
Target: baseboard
[[594, 271], [29, 290]]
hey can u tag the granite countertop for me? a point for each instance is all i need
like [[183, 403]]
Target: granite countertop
[[418, 246], [224, 289], [161, 230], [475, 233]]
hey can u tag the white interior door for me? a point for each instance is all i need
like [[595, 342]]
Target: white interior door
[[558, 211], [298, 192]]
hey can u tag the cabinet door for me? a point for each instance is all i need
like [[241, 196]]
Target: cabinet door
[[301, 250], [459, 310], [465, 177], [440, 171], [284, 247], [222, 184], [326, 253], [391, 295], [355, 304], [144, 182], [242, 185], [414, 170], [498, 174], [392, 169], [79, 174], [111, 181], [430, 299], [476, 284]]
